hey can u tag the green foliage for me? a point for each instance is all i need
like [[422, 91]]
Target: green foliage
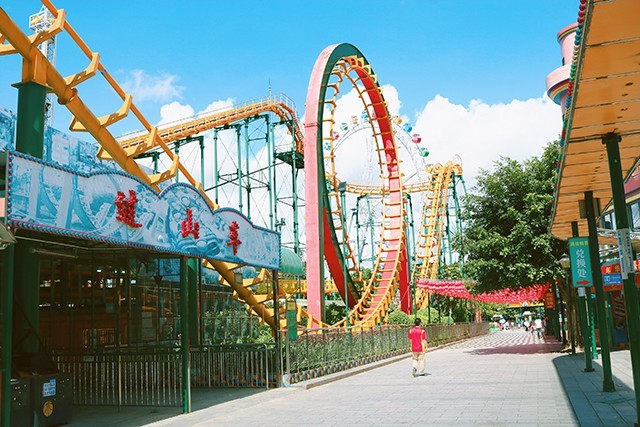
[[333, 313], [506, 242], [450, 272], [399, 318], [234, 326]]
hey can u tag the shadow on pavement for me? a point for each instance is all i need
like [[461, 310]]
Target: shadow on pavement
[[542, 347], [129, 416], [590, 404]]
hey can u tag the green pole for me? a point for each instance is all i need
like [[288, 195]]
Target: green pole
[[6, 283], [296, 237], [31, 117], [193, 265], [584, 322], [29, 140], [591, 309], [271, 166], [276, 328], [247, 141], [215, 166], [605, 346], [239, 167], [612, 331], [177, 151], [184, 331], [201, 140], [409, 233], [629, 283], [344, 254]]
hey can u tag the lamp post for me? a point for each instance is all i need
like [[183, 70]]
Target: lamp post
[[565, 263], [342, 188]]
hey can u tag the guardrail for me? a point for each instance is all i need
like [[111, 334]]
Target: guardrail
[[318, 352], [124, 378], [233, 365], [152, 376]]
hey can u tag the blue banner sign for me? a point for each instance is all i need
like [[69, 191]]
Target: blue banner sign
[[115, 207], [612, 279], [580, 262]]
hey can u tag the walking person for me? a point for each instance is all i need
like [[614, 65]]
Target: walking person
[[418, 337], [538, 326]]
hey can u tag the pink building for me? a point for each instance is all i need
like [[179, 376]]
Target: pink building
[[558, 79]]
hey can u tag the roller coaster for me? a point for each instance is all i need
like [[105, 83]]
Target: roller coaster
[[401, 253]]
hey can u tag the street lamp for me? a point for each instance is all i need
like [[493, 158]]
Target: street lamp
[[342, 188], [565, 263]]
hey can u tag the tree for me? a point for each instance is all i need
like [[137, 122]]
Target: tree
[[506, 242]]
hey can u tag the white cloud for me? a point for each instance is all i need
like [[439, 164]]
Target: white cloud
[[481, 132], [159, 88], [174, 111], [219, 105]]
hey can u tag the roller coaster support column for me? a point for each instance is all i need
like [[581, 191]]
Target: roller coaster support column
[[201, 141], [294, 171], [216, 174], [29, 140], [410, 244], [276, 327], [271, 165], [239, 168], [184, 334], [177, 151], [629, 283], [594, 251], [246, 165], [342, 188]]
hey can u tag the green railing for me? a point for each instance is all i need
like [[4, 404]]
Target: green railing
[[318, 352]]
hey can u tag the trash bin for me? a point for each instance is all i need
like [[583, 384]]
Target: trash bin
[[51, 399], [20, 403], [51, 391]]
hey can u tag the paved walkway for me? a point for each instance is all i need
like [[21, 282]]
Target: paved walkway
[[502, 379]]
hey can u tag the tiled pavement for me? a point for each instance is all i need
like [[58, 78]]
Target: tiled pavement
[[502, 379]]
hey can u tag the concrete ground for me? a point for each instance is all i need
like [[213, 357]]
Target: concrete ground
[[503, 379]]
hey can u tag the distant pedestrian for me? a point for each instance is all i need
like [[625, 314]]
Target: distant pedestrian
[[538, 326], [418, 338]]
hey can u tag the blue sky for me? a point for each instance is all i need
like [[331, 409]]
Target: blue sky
[[483, 61]]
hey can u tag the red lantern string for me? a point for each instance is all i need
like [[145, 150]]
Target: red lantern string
[[456, 289]]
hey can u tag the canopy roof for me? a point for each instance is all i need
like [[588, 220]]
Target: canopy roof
[[604, 96], [291, 262]]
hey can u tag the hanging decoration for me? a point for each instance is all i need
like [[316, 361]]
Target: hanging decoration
[[456, 289]]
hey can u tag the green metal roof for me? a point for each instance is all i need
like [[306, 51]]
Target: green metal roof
[[291, 262]]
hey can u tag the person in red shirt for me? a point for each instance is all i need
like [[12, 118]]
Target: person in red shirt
[[418, 338]]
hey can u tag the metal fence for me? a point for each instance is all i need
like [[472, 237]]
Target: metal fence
[[235, 365], [124, 378], [318, 352], [153, 376]]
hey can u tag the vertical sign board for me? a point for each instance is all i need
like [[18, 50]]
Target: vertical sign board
[[580, 262], [292, 321], [626, 252]]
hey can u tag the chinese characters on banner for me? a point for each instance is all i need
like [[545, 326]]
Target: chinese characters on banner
[[549, 300], [580, 262]]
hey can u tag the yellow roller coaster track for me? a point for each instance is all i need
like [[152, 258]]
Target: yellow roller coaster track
[[280, 105], [38, 69], [430, 236]]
